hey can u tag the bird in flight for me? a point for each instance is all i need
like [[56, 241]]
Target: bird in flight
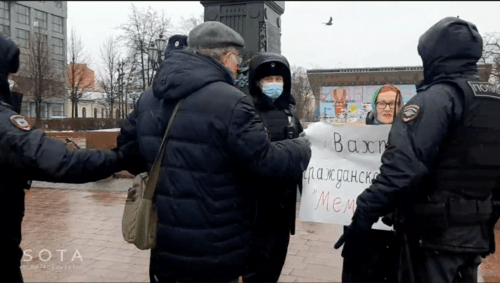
[[329, 23]]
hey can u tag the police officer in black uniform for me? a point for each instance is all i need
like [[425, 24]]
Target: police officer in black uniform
[[269, 84], [27, 154], [176, 42], [441, 165]]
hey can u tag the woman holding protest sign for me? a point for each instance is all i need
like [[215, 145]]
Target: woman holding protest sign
[[378, 259], [269, 84], [386, 102]]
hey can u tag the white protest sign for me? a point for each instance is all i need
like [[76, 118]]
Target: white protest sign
[[344, 161]]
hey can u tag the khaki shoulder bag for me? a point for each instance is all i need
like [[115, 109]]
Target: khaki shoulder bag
[[140, 221]]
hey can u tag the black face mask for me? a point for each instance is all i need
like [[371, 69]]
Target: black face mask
[[15, 100]]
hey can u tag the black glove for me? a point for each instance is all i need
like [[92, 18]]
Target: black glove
[[131, 157], [353, 240], [388, 219]]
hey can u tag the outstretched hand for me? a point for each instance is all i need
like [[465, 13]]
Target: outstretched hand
[[340, 242], [303, 139], [132, 159], [353, 240]]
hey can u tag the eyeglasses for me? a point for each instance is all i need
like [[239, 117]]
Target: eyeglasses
[[239, 58], [383, 104]]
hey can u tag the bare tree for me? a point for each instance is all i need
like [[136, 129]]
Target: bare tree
[[79, 75], [491, 55], [39, 77], [187, 24], [107, 79], [302, 93], [126, 76], [142, 28]]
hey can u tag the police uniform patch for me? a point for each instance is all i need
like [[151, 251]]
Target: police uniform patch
[[410, 112], [484, 89], [20, 122]]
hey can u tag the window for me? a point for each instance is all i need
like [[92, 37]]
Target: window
[[57, 24], [40, 37], [84, 112], [59, 66], [102, 112], [5, 29], [23, 14], [25, 109], [57, 45], [4, 18], [23, 37], [43, 110], [40, 19], [4, 10], [56, 109], [95, 112]]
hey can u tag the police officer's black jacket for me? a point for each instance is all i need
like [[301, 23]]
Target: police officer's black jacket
[[29, 155], [277, 201], [436, 169], [215, 147]]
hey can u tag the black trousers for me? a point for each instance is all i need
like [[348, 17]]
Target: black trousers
[[378, 261], [272, 261], [432, 266], [10, 273]]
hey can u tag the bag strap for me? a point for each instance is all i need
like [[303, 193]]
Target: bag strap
[[155, 171]]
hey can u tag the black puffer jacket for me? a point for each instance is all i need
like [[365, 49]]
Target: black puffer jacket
[[450, 49], [27, 154], [216, 145]]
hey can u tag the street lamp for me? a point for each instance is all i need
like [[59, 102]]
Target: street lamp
[[120, 86], [129, 80], [155, 54]]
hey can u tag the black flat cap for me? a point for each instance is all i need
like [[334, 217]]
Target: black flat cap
[[214, 34]]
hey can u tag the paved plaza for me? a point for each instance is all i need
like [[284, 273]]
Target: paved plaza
[[72, 233]]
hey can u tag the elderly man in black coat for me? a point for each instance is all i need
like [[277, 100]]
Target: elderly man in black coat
[[216, 145]]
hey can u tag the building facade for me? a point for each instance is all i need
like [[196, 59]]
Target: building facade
[[20, 20], [345, 95]]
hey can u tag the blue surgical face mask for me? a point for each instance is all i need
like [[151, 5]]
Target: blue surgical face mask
[[273, 90]]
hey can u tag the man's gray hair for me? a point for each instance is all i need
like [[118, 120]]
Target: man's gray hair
[[217, 53]]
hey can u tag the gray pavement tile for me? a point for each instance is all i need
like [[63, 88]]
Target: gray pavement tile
[[287, 278], [90, 221]]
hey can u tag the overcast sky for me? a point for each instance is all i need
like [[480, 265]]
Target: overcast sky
[[363, 34]]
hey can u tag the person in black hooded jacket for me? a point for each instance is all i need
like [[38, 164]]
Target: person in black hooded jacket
[[269, 84], [216, 146], [437, 172], [27, 154]]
